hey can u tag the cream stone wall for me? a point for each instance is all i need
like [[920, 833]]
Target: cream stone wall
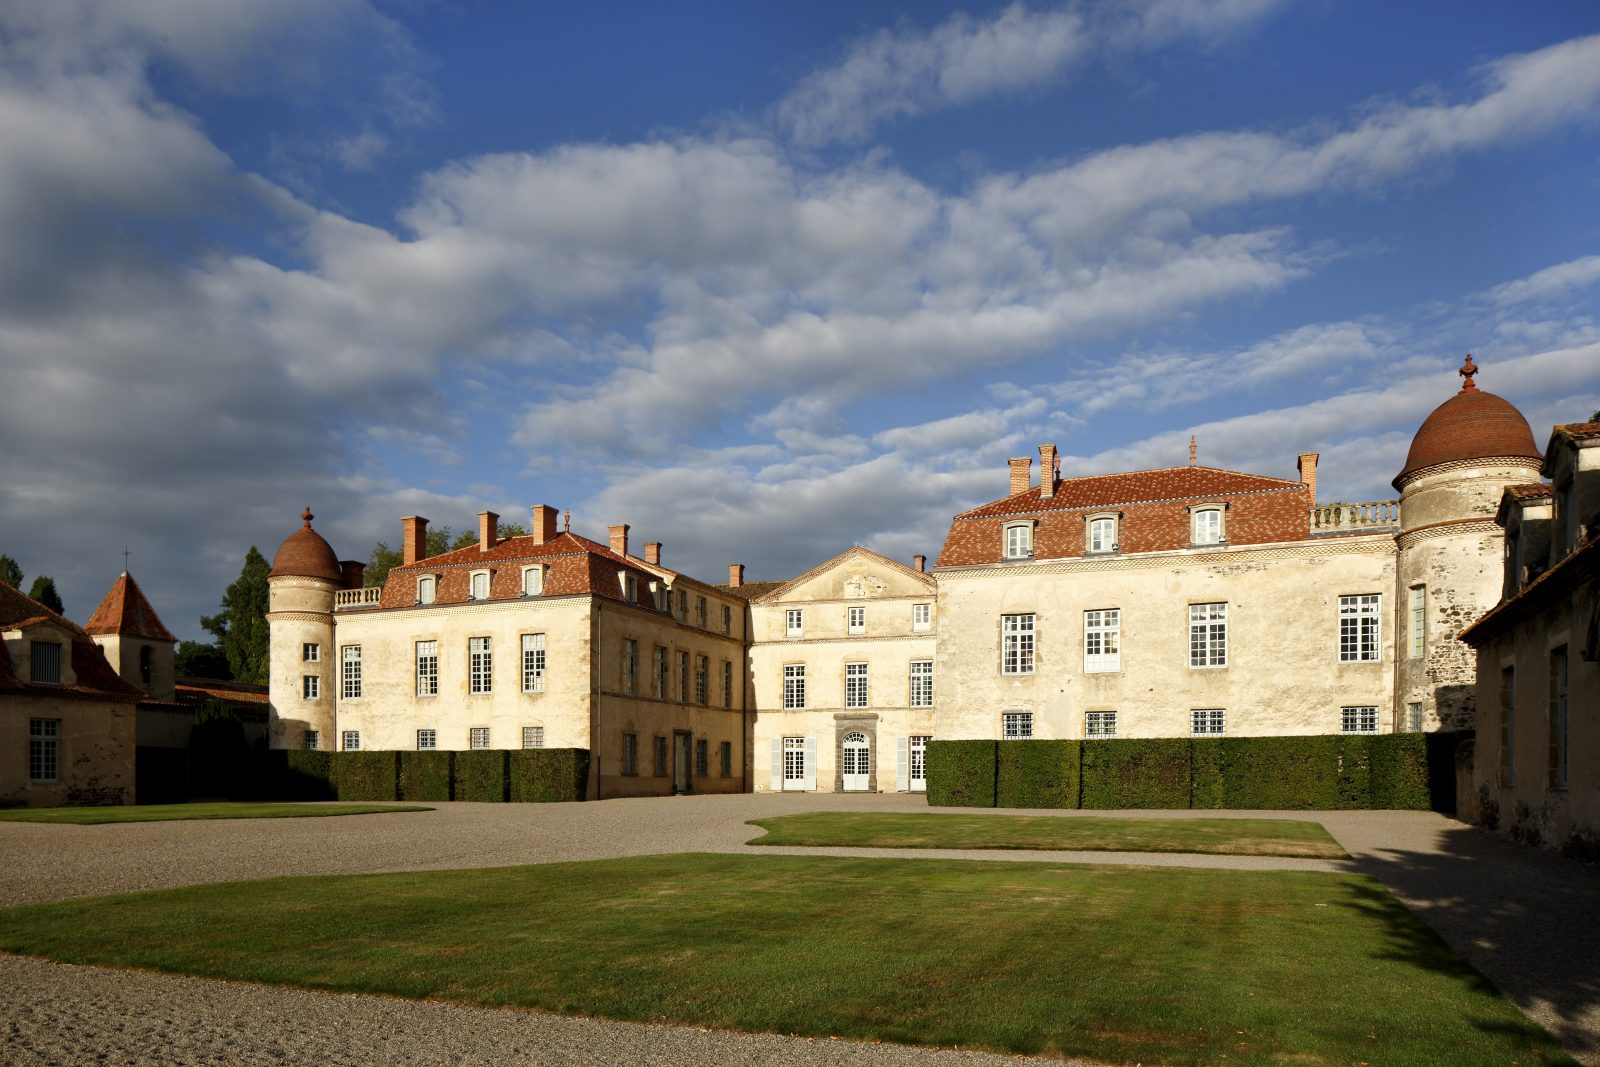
[[96, 751], [123, 653], [1283, 674], [19, 644], [300, 611]]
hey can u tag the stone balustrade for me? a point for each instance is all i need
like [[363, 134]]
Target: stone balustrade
[[347, 599], [1372, 516]]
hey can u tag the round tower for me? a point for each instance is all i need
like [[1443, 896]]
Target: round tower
[[301, 586], [1449, 567]]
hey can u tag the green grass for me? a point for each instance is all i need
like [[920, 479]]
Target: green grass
[[1115, 964], [1237, 837], [219, 810]]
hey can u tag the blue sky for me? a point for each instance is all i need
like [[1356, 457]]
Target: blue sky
[[761, 281]]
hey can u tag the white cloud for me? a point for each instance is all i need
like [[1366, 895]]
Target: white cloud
[[1550, 282]]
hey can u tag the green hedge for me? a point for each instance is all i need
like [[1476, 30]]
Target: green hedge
[[480, 775], [368, 775], [961, 774], [305, 776], [1152, 773], [1205, 773], [1281, 772], [1399, 771], [544, 775], [1037, 774], [424, 775]]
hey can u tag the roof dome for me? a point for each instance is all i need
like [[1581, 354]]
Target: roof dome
[[304, 554], [1472, 424]]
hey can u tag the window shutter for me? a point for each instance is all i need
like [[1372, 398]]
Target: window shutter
[[777, 764], [902, 764], [810, 782]]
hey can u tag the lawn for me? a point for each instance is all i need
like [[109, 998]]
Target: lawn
[[219, 810], [1113, 964], [1238, 837]]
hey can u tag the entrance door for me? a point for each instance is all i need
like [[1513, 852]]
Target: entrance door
[[856, 758], [919, 764], [680, 762], [794, 763]]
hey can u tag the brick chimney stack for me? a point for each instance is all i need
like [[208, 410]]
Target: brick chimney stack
[[920, 562], [414, 539], [1307, 466], [652, 552], [736, 574], [1019, 473], [354, 573], [488, 531], [619, 538], [1049, 470], [544, 523]]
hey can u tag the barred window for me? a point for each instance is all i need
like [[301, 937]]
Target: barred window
[[661, 756], [1207, 722], [351, 685], [1016, 644], [44, 662], [701, 763], [855, 685], [794, 685], [478, 737], [352, 741], [856, 622], [310, 686], [427, 740], [630, 753], [725, 756], [1208, 635], [1363, 720], [533, 663], [533, 737], [1017, 725], [1102, 640], [630, 666], [480, 663], [1100, 724], [1359, 629], [312, 740], [922, 683], [44, 749], [427, 668]]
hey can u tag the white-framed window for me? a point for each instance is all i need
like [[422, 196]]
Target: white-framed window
[[630, 586], [1361, 720], [794, 685], [1414, 716], [856, 620], [630, 753], [702, 679], [663, 674], [855, 685], [312, 740], [44, 750], [727, 683], [727, 619], [427, 740], [1558, 718], [922, 617], [1100, 724], [1103, 533], [533, 580], [310, 686], [794, 622], [427, 668], [1016, 725], [44, 662], [1207, 722], [1419, 621], [480, 665], [310, 652], [350, 741], [533, 663], [1360, 629], [1102, 640], [533, 737], [1016, 644], [427, 589], [480, 585], [478, 737], [1208, 635], [350, 665], [1018, 539], [1205, 525], [700, 612], [630, 666], [922, 683]]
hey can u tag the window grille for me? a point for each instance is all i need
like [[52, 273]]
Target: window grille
[[1100, 724], [427, 740], [1017, 725], [478, 737], [1362, 720], [533, 737], [352, 741], [312, 740], [1207, 722]]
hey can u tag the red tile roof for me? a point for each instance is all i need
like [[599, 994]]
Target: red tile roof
[[1134, 487], [1579, 430], [305, 554], [95, 678], [1529, 490], [127, 612], [1472, 424]]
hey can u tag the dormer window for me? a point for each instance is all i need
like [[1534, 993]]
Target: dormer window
[[1018, 539], [630, 586], [1103, 533], [44, 662], [480, 585], [427, 587], [661, 595], [533, 581], [1205, 525]]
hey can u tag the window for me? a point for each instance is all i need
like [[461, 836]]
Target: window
[[1017, 725], [426, 588], [427, 740], [310, 686], [1414, 716], [1207, 722], [1558, 718], [630, 666], [1363, 720], [630, 586], [1359, 629], [856, 620], [147, 666], [1103, 534], [427, 668], [700, 611], [701, 765], [1102, 640], [663, 674], [44, 749], [532, 581], [1019, 540], [1100, 724], [533, 737], [480, 664], [922, 617], [1205, 526], [727, 619], [310, 653], [1419, 620], [352, 741], [630, 753], [725, 758], [683, 604], [313, 739], [922, 683], [1016, 644], [1208, 635], [350, 686], [794, 685], [795, 620], [855, 685], [532, 663], [44, 663], [727, 683], [661, 756], [480, 586], [702, 670], [478, 737], [683, 677], [1508, 725]]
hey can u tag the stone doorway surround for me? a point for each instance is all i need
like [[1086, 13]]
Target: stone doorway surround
[[845, 722]]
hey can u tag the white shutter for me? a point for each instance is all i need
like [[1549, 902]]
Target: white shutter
[[902, 764], [777, 764], [810, 781]]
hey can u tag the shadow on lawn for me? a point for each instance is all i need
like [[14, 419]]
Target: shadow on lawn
[[1528, 920]]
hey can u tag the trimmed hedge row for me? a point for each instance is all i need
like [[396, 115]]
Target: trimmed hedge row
[[1322, 773], [535, 775]]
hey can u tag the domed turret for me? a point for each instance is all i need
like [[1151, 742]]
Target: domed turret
[[304, 554], [1471, 425], [301, 587]]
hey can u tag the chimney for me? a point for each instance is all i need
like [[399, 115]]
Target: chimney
[[488, 530], [652, 552], [414, 541], [1307, 466], [619, 538], [1019, 473], [736, 574], [920, 562], [544, 523], [1049, 469], [354, 573]]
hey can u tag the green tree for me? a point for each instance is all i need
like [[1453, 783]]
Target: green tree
[[10, 572], [1595, 417], [44, 591], [241, 626], [196, 660]]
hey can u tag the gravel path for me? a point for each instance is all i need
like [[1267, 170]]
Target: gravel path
[[1524, 918]]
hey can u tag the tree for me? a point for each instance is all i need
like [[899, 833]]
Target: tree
[[241, 626], [44, 591], [196, 660], [10, 572], [439, 541], [1595, 417]]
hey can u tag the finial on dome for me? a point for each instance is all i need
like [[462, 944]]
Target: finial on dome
[[307, 516], [1468, 369]]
